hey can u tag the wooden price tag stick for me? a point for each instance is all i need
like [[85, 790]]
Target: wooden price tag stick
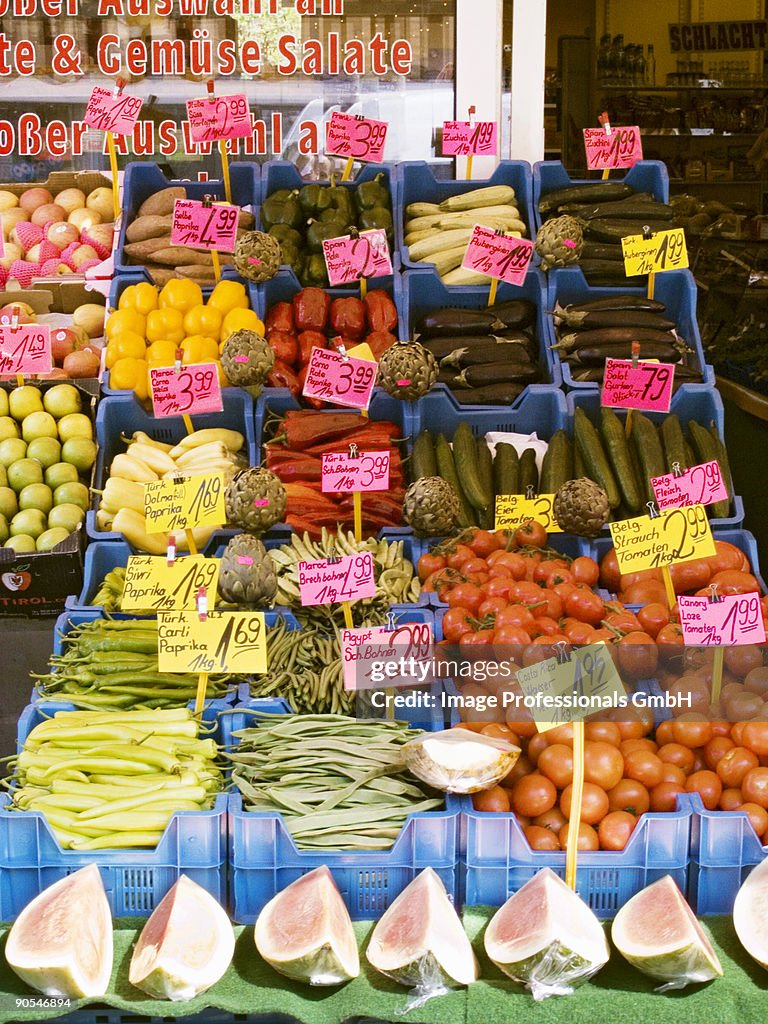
[[603, 119], [350, 159], [202, 678], [357, 501], [577, 791], [647, 234], [717, 664], [119, 86], [635, 360], [224, 155], [666, 575], [207, 203], [471, 112], [15, 327]]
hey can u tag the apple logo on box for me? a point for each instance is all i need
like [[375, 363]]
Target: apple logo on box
[[16, 580]]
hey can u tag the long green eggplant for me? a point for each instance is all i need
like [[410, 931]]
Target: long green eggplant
[[591, 192]]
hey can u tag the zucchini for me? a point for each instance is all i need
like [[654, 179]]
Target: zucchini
[[492, 195], [557, 464], [485, 472], [593, 455], [721, 509], [465, 460], [421, 223], [427, 247], [458, 277], [423, 460], [615, 444], [446, 467], [449, 259], [674, 443], [418, 236], [421, 209], [506, 469], [591, 192], [529, 473], [649, 451]]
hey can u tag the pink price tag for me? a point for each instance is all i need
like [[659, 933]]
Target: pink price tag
[[343, 381], [462, 138], [645, 386], [212, 118], [375, 656], [204, 227], [735, 619], [622, 148], [359, 137], [25, 348], [498, 255], [699, 485], [348, 259], [348, 579], [369, 471], [109, 113], [192, 390]]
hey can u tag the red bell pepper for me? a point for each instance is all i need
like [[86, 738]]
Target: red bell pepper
[[282, 376], [381, 311], [310, 309], [315, 403], [285, 346], [280, 318], [307, 341], [348, 317], [380, 341]]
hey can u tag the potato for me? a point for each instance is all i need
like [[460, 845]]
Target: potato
[[150, 226], [101, 200], [8, 200], [161, 203]]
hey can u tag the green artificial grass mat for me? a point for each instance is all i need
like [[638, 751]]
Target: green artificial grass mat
[[616, 995]]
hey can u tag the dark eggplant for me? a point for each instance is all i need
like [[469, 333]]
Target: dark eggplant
[[491, 373], [630, 302], [492, 352], [606, 229], [595, 319], [447, 323], [642, 207], [602, 251], [446, 376], [494, 394], [441, 347], [595, 355], [612, 336], [591, 192], [514, 313]]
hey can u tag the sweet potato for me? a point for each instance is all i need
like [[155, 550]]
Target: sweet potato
[[179, 255], [160, 275], [203, 275], [152, 226], [161, 203], [141, 251]]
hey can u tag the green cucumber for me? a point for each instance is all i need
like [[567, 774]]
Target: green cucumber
[[423, 460], [447, 470], [557, 464], [596, 464], [529, 474], [649, 451], [465, 460], [485, 472], [579, 469], [506, 469], [674, 443], [721, 509], [615, 443], [702, 441]]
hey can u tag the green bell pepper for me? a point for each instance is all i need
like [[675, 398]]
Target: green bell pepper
[[282, 207], [294, 257], [315, 272], [314, 199], [341, 200], [373, 193], [377, 217], [321, 231], [287, 235]]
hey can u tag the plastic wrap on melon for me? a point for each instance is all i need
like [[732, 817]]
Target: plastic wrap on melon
[[459, 760], [556, 971]]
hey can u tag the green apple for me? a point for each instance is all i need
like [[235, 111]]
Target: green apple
[[80, 452], [9, 503], [38, 496], [46, 450], [11, 450], [50, 538], [21, 543], [68, 517], [38, 424], [4, 531], [23, 473], [75, 424], [72, 494], [61, 473], [25, 400], [31, 521], [62, 400], [8, 427]]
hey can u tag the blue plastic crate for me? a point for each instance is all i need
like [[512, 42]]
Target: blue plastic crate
[[419, 184], [690, 402], [499, 860], [423, 292], [124, 413], [541, 409], [280, 174], [144, 179], [724, 849], [645, 176], [194, 843], [139, 276], [675, 288]]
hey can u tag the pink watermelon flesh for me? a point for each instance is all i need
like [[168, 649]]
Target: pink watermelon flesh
[[661, 918]]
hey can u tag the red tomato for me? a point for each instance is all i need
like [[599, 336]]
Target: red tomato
[[553, 819], [594, 803], [664, 796], [603, 763], [727, 556], [500, 586], [549, 605], [456, 624], [689, 576], [730, 799], [671, 773], [691, 732], [715, 749], [645, 767], [549, 567], [676, 754], [526, 592], [653, 617], [731, 581], [466, 595], [709, 787], [510, 636], [627, 746], [579, 632], [521, 767], [625, 621], [644, 592], [480, 636], [491, 606], [757, 814], [494, 799], [610, 577], [429, 563], [605, 732], [473, 565], [556, 762], [541, 838], [516, 615], [615, 829], [754, 786], [484, 543], [515, 563], [585, 570], [586, 606], [531, 534], [533, 794], [536, 744], [743, 659], [638, 655], [629, 795], [587, 837], [459, 555], [545, 626]]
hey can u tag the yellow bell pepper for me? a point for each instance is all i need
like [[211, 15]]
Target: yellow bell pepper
[[141, 297], [205, 320], [240, 320], [161, 353], [166, 324], [125, 320], [199, 349], [228, 295], [124, 345], [131, 375], [180, 294]]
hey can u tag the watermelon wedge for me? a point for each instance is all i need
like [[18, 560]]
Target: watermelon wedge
[[658, 933], [750, 914], [546, 937]]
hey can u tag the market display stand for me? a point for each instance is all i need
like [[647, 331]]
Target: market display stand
[[746, 434]]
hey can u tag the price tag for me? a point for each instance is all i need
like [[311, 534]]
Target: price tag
[[679, 535], [212, 118], [152, 585], [223, 642], [109, 113], [512, 510], [622, 148], [461, 138], [571, 691], [348, 259], [368, 471], [735, 619], [348, 579], [25, 349], [347, 382], [362, 138], [498, 256], [663, 251], [184, 504], [645, 386], [193, 389], [699, 485], [375, 656], [204, 227]]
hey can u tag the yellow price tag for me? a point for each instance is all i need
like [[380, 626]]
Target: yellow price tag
[[221, 642], [512, 510], [570, 691], [362, 351], [663, 251], [152, 585], [182, 503], [678, 535]]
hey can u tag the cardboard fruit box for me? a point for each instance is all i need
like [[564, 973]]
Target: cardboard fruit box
[[36, 585]]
